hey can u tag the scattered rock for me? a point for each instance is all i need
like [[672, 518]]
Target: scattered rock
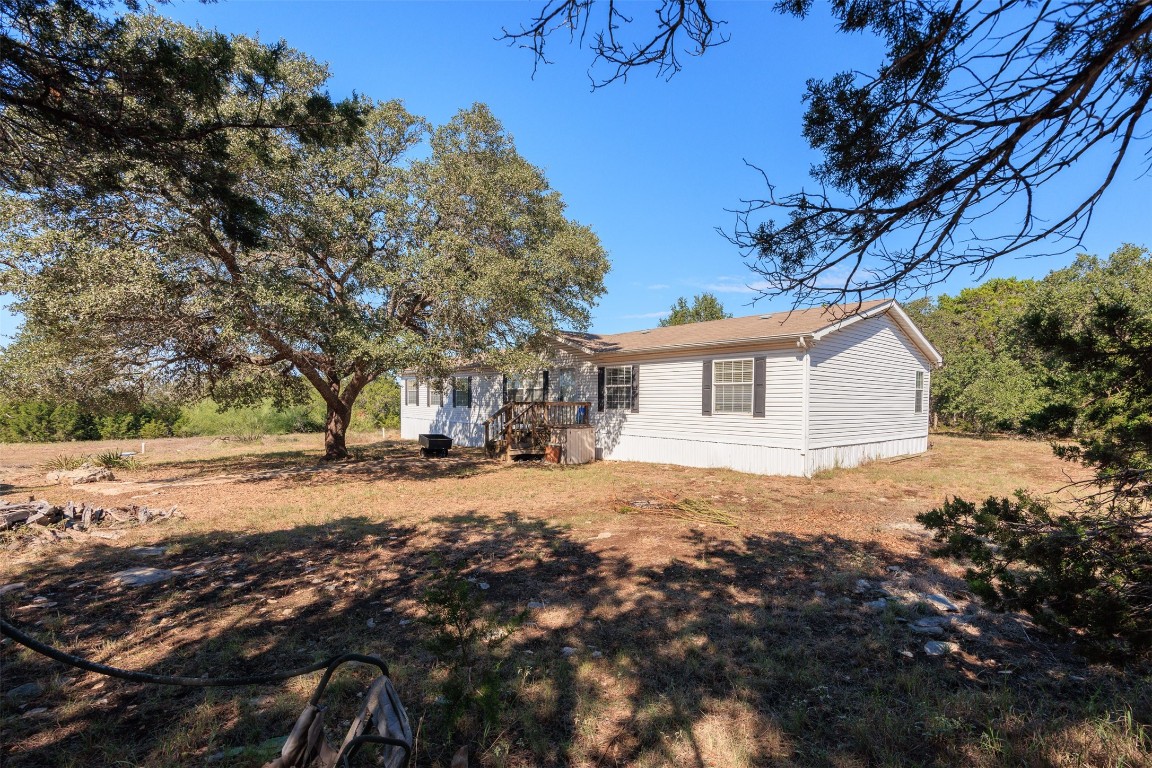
[[605, 535], [862, 586], [139, 577], [535, 604], [940, 648], [34, 712], [940, 603], [405, 622], [597, 654], [567, 651], [877, 605], [931, 631], [483, 585], [149, 551], [11, 587], [85, 474], [371, 623], [932, 621], [26, 691]]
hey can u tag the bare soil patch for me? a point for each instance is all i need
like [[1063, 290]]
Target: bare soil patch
[[635, 638]]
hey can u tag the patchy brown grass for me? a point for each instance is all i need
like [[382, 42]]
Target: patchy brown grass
[[696, 644]]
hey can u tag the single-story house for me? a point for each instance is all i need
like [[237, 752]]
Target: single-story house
[[789, 393]]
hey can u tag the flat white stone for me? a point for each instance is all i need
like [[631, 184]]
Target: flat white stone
[[139, 577]]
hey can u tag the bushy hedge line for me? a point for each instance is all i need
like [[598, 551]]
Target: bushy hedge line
[[41, 422]]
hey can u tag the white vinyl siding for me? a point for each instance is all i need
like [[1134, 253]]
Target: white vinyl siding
[[465, 425], [732, 386], [618, 387], [861, 386], [670, 407]]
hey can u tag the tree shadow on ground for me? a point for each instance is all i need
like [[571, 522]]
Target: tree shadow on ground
[[386, 460], [707, 648]]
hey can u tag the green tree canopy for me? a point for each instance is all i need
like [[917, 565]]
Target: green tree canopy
[[1092, 323], [704, 307], [89, 101], [407, 248], [991, 379]]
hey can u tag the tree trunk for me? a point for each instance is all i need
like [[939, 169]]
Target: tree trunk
[[335, 430]]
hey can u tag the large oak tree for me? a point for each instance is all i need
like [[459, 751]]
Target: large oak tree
[[407, 248]]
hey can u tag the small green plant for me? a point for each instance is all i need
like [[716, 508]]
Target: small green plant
[[64, 462], [111, 459], [464, 637]]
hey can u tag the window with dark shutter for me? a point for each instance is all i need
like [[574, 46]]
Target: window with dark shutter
[[732, 386], [618, 387]]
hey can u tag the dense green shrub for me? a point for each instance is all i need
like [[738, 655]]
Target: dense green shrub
[[1084, 570], [252, 422], [1082, 566], [378, 406]]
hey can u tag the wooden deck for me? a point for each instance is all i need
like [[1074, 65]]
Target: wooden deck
[[521, 429]]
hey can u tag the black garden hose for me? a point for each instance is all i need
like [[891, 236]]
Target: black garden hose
[[28, 641]]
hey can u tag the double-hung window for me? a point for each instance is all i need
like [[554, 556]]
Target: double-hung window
[[732, 383], [524, 388], [618, 387], [462, 391], [412, 392], [919, 391]]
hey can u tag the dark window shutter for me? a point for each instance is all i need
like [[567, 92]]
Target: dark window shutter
[[635, 389], [545, 386], [504, 385], [468, 404], [600, 389], [452, 381], [759, 374], [439, 394], [706, 389]]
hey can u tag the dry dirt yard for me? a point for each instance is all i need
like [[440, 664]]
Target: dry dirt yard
[[613, 614]]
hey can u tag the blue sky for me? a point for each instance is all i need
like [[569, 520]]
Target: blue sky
[[651, 165]]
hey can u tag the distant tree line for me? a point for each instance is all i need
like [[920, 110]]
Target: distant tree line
[[1006, 368], [157, 416]]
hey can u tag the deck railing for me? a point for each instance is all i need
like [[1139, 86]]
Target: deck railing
[[534, 420]]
